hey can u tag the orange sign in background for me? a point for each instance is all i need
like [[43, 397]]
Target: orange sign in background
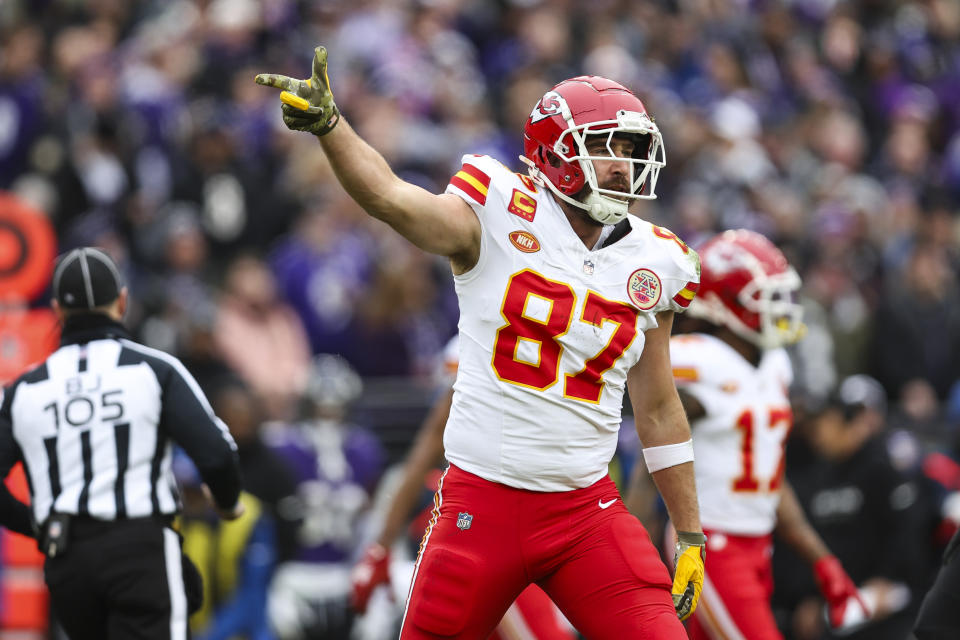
[[28, 246]]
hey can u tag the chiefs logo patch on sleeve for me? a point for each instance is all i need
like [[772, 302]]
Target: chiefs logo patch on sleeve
[[472, 182]]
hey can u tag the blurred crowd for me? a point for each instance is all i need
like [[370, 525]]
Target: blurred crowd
[[831, 126]]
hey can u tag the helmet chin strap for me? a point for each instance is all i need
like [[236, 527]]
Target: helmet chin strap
[[603, 209]]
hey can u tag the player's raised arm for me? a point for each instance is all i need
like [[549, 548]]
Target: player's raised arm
[[668, 452], [442, 224]]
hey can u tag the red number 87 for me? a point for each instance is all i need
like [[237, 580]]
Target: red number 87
[[587, 384]]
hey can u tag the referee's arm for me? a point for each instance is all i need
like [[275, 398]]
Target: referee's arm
[[190, 422], [14, 515]]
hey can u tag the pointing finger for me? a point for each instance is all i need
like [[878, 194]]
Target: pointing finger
[[277, 81]]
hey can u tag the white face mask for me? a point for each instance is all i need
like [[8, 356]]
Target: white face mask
[[608, 206]]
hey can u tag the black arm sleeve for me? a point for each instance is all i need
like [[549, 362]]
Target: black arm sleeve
[[899, 513], [14, 515], [189, 420]]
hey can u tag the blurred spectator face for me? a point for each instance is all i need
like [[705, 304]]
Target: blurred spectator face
[[836, 437], [186, 249], [841, 43], [235, 405], [725, 69], [75, 47], [20, 54], [547, 32], [250, 282], [524, 90], [945, 19], [907, 147], [827, 433], [839, 138], [928, 274], [213, 150], [918, 400]]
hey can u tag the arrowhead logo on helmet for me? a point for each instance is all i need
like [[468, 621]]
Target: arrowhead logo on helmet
[[550, 105], [748, 286]]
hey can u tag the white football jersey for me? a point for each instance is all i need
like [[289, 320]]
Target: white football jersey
[[739, 444], [548, 331]]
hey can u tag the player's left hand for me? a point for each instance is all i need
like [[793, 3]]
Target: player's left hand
[[307, 104], [371, 571], [837, 588], [688, 560]]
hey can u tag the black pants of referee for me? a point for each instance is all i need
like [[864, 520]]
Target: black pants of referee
[[122, 579], [939, 617]]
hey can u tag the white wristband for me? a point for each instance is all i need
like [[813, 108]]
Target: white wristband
[[668, 455]]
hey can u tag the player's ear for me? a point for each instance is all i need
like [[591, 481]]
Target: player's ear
[[121, 303], [57, 310]]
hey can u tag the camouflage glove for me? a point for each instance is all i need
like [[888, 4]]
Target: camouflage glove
[[688, 560], [307, 104]]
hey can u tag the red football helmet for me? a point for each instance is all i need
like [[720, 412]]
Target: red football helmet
[[554, 144], [747, 285]]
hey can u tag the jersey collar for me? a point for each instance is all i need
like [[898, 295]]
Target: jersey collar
[[84, 327]]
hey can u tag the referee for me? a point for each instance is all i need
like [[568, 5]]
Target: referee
[[95, 425]]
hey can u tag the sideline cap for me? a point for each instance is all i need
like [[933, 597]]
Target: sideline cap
[[86, 278]]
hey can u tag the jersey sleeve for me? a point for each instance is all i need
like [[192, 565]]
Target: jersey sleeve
[[477, 182], [695, 366], [14, 515], [681, 278]]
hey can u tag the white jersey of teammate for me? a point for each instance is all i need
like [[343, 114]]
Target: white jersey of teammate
[[739, 443], [548, 332]]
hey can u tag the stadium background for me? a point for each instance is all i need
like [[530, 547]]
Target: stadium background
[[832, 127]]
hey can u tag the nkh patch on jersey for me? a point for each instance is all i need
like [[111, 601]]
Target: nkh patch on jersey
[[473, 182]]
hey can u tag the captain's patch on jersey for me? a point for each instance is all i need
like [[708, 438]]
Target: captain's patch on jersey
[[525, 241], [643, 288], [472, 182], [522, 205]]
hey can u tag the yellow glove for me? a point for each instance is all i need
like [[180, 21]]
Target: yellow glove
[[307, 104], [688, 559]]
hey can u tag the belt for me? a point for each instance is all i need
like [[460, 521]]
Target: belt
[[87, 527]]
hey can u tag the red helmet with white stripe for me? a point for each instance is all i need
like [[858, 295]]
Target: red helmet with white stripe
[[554, 144], [747, 285]]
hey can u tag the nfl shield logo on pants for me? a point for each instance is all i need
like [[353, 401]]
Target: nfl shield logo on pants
[[464, 520]]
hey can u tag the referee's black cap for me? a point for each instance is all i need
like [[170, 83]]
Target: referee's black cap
[[86, 278]]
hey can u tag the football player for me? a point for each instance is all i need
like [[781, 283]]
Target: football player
[[532, 615], [733, 374], [565, 302], [336, 465]]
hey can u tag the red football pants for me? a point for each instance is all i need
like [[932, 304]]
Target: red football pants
[[533, 616], [488, 541], [735, 603]]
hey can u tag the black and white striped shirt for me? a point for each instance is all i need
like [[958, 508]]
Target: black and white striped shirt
[[95, 424]]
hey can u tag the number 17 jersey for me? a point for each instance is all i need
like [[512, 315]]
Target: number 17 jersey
[[549, 330]]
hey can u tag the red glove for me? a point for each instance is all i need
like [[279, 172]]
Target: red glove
[[837, 588], [372, 571]]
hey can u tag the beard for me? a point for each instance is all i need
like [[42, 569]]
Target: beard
[[617, 184]]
